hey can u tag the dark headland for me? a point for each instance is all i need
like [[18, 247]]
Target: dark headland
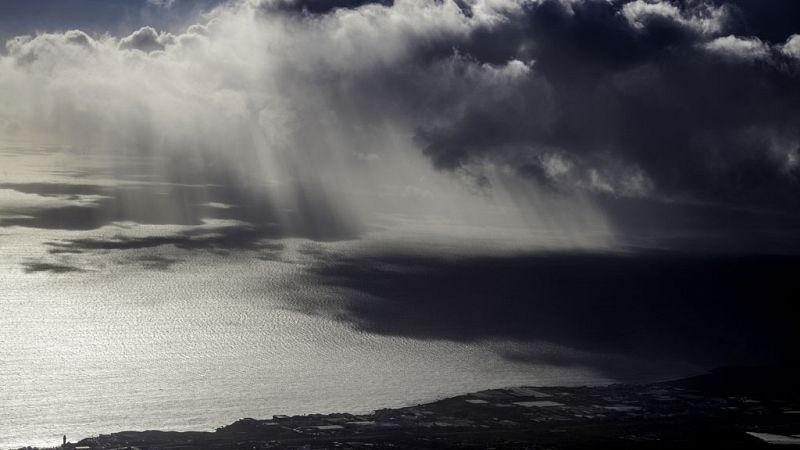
[[736, 407]]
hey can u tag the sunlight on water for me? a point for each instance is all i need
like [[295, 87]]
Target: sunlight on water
[[185, 350]]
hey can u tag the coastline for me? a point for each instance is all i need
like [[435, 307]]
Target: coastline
[[740, 407]]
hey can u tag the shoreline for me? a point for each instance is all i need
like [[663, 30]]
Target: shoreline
[[53, 438], [739, 407]]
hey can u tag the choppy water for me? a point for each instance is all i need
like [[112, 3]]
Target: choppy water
[[202, 346]]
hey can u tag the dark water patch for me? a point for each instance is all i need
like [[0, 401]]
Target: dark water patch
[[35, 267], [311, 215], [700, 309], [230, 237]]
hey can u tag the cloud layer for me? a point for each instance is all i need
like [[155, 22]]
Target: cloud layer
[[672, 103]]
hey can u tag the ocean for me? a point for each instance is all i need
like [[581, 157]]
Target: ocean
[[201, 346]]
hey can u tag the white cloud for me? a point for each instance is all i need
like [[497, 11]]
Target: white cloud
[[792, 46], [555, 165], [605, 176], [703, 19], [749, 48], [50, 49], [146, 39]]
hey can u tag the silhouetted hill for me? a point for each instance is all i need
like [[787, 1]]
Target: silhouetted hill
[[764, 382]]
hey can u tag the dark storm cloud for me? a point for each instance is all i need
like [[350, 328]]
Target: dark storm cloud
[[689, 105], [771, 20], [668, 307], [657, 94], [316, 6]]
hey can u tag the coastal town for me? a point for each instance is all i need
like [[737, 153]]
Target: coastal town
[[734, 408]]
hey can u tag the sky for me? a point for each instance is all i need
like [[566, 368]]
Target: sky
[[634, 144], [19, 17], [675, 119]]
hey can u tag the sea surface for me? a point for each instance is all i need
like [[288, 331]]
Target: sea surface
[[201, 347], [128, 303]]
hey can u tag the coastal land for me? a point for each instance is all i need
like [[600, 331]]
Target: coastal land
[[735, 407]]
